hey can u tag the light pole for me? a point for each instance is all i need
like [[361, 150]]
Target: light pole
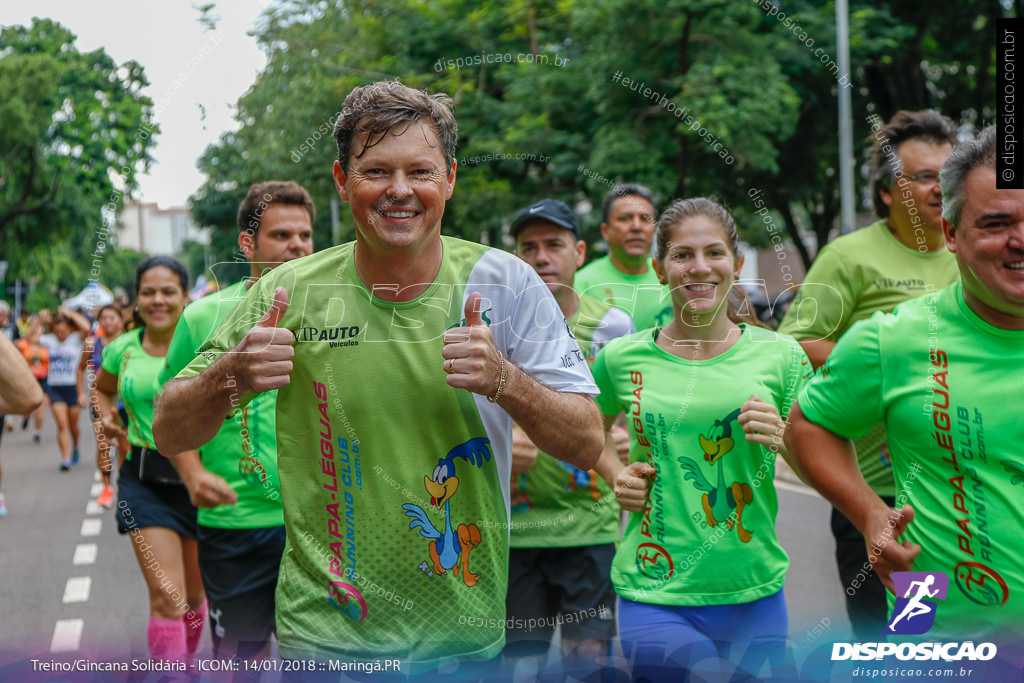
[[846, 166]]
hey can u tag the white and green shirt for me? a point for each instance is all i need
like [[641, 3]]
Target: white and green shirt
[[853, 277], [244, 451], [553, 496], [395, 485], [942, 379], [707, 535]]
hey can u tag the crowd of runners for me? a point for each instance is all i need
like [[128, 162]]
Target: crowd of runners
[[420, 447]]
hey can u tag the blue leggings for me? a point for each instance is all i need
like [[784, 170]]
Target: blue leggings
[[666, 643]]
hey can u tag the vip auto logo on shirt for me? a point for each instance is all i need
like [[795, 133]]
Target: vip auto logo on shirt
[[914, 614], [335, 336]]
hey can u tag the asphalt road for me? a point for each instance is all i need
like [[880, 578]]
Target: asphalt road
[[70, 581], [56, 604]]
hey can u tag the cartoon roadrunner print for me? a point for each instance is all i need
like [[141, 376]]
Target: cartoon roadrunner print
[[721, 503], [448, 549]]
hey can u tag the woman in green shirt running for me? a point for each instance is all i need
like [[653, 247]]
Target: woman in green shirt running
[[153, 505], [699, 571]]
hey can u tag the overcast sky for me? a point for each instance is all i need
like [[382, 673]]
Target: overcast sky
[[167, 40]]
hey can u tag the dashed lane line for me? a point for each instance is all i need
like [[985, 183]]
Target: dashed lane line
[[77, 589], [67, 635], [85, 553]]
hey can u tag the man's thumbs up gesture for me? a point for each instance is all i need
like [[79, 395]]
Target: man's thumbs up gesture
[[470, 357], [264, 355]]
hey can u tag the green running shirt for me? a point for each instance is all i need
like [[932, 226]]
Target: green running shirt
[[942, 380], [553, 496], [641, 297], [707, 536], [244, 451], [395, 486], [853, 277], [136, 373]]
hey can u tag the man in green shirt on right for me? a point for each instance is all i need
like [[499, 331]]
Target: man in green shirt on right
[[942, 371], [625, 278], [901, 256]]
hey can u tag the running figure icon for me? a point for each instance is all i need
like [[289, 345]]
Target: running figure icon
[[915, 607]]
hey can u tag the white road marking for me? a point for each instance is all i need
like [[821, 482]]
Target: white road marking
[[96, 476], [67, 635], [77, 589], [85, 553], [96, 489], [92, 526], [93, 508]]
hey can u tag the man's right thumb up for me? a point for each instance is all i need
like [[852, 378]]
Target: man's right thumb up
[[277, 310]]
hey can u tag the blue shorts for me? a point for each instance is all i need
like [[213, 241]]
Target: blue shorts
[[666, 642], [239, 569], [141, 505], [63, 394]]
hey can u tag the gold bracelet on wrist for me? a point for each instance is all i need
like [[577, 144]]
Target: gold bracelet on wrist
[[501, 380]]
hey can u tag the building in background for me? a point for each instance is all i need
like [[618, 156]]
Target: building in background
[[145, 227]]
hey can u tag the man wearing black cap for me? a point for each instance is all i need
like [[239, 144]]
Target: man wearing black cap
[[565, 521]]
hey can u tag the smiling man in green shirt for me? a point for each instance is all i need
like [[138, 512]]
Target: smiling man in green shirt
[[401, 361], [940, 371], [899, 257]]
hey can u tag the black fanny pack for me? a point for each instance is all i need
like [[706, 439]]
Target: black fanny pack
[[155, 468]]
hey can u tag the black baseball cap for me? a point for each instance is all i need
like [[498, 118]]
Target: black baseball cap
[[551, 210]]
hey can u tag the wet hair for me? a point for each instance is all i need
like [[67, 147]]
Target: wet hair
[[738, 304], [262, 195], [977, 153], [627, 190], [927, 125], [377, 108], [156, 262]]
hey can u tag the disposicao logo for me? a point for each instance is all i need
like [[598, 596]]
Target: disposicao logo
[[914, 613]]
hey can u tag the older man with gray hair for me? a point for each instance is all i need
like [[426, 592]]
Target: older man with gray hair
[[941, 371], [899, 257]]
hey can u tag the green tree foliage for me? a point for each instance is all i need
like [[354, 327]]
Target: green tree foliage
[[563, 98], [69, 145]]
